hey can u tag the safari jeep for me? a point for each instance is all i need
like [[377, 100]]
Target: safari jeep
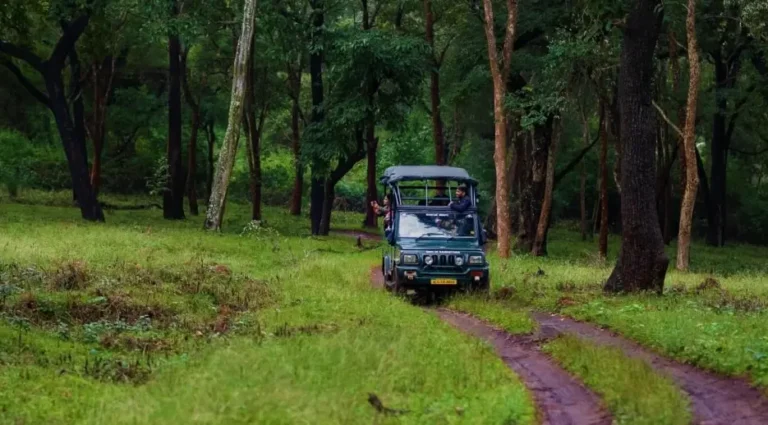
[[433, 247]]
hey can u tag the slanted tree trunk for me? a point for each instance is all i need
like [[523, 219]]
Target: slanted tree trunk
[[319, 167], [215, 212], [434, 87], [603, 236], [499, 76], [173, 197], [540, 244], [194, 105], [69, 124], [689, 142], [642, 262], [371, 143], [342, 168]]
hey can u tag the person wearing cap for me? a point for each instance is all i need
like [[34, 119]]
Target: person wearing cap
[[462, 202]]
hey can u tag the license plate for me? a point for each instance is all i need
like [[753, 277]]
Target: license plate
[[443, 281]]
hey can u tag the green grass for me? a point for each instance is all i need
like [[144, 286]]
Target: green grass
[[313, 342], [634, 393], [514, 321], [719, 329]]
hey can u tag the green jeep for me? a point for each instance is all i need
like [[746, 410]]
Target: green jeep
[[435, 237]]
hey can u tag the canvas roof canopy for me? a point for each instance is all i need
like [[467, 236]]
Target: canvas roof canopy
[[425, 172]]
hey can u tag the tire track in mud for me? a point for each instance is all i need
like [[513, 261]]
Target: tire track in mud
[[559, 397], [715, 400]]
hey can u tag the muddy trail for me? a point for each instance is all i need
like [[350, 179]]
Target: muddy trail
[[715, 400], [560, 398]]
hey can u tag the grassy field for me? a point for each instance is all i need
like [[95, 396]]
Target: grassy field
[[143, 320]]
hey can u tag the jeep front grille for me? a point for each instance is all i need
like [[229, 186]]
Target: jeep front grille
[[443, 260]]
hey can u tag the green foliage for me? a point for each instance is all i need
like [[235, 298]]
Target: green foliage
[[15, 161], [633, 391]]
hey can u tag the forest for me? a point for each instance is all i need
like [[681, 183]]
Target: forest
[[185, 191]]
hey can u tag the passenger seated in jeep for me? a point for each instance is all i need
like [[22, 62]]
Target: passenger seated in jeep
[[462, 203]]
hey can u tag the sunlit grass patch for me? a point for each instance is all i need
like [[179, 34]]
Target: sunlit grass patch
[[632, 390]]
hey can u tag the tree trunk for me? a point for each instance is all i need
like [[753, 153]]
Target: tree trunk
[[719, 155], [192, 164], [192, 147], [298, 181], [689, 142], [642, 263], [319, 167], [583, 178], [434, 87], [603, 237], [211, 144], [71, 131], [253, 129], [173, 197], [540, 244], [372, 192], [499, 77], [102, 76], [215, 212], [526, 221]]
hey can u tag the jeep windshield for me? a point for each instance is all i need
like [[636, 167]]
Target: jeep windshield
[[437, 225]]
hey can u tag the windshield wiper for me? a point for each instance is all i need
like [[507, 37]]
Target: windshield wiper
[[430, 234]]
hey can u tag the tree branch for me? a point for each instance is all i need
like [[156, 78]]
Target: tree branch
[[26, 83], [666, 119], [575, 161], [72, 33], [22, 53]]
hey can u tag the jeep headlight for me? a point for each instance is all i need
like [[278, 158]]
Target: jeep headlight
[[428, 260], [459, 260], [410, 259], [476, 259]]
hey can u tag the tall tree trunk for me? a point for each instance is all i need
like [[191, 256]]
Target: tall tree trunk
[[540, 244], [499, 77], [372, 192], [642, 263], [603, 237], [319, 167], [192, 147], [689, 141], [211, 144], [192, 164], [102, 76], [173, 197], [215, 212], [526, 221], [583, 177], [253, 130], [434, 87], [719, 155], [298, 180]]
